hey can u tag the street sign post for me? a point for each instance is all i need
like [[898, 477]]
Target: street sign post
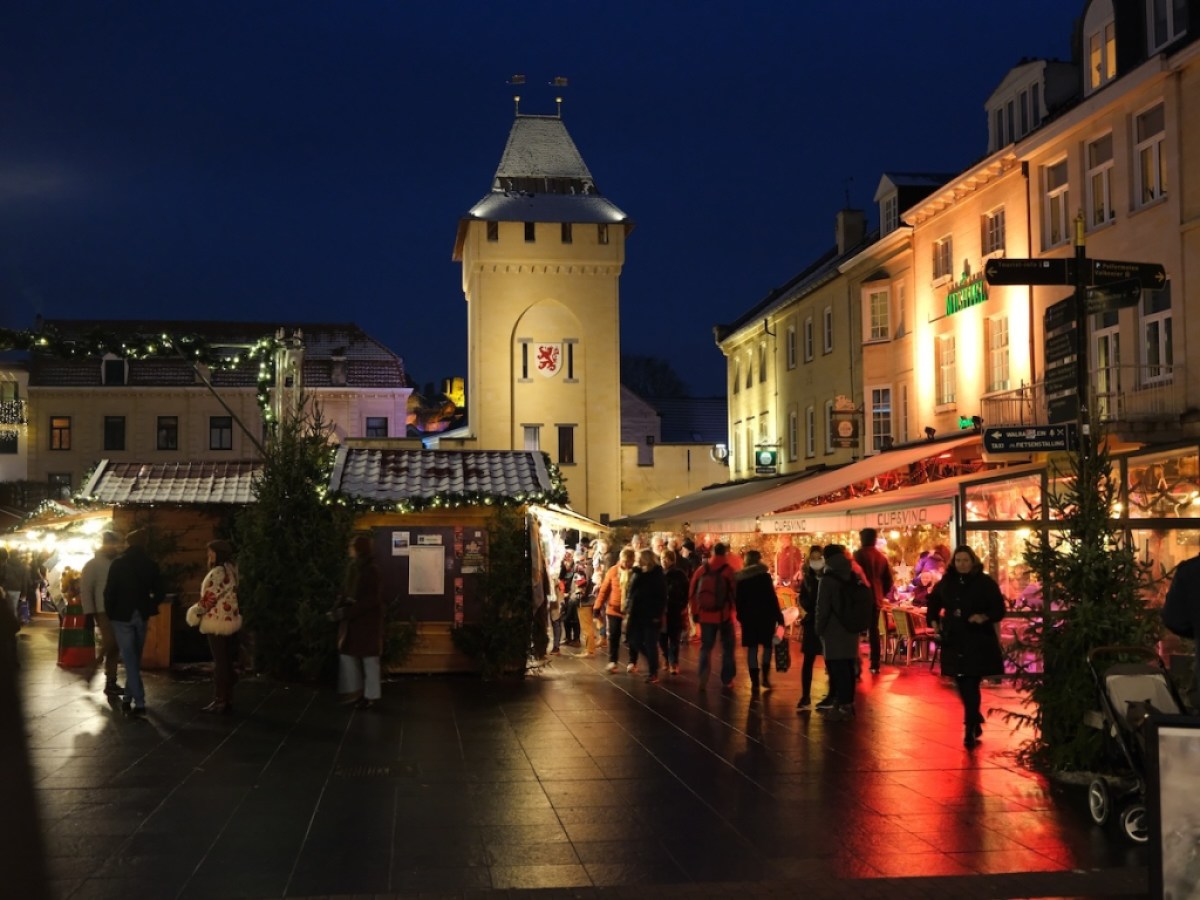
[[1029, 438], [1151, 276], [1061, 380], [1062, 409], [1060, 347], [1116, 295], [1060, 314], [1029, 271]]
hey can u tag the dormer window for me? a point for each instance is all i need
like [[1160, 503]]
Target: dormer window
[[1102, 56], [114, 371], [889, 214], [1167, 21]]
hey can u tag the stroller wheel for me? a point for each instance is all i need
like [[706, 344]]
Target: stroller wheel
[[1135, 824], [1099, 801]]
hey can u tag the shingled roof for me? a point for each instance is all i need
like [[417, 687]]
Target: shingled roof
[[393, 476], [369, 364], [205, 483]]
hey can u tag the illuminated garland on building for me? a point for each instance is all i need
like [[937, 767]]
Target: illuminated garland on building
[[191, 348]]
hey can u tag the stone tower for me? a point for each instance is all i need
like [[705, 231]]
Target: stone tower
[[541, 258]]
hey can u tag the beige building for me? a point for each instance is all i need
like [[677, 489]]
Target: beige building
[[541, 258], [160, 410], [14, 420], [792, 360]]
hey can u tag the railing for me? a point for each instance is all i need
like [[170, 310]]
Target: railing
[[1120, 394]]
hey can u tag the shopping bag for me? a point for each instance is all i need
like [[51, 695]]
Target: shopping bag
[[783, 656]]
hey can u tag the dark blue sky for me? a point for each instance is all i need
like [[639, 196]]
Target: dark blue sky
[[308, 160]]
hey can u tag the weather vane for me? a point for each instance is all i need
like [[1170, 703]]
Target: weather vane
[[518, 79]]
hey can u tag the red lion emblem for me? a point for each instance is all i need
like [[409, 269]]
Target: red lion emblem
[[547, 358]]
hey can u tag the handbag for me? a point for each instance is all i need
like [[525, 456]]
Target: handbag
[[783, 656]]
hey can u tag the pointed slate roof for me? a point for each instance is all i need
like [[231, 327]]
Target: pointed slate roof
[[137, 483], [541, 178], [386, 475]]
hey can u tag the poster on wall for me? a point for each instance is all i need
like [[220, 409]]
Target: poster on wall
[[473, 551], [426, 570], [400, 543]]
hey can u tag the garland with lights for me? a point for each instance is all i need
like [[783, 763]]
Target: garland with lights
[[191, 348]]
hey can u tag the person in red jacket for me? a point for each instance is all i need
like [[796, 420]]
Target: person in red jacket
[[879, 576], [712, 594]]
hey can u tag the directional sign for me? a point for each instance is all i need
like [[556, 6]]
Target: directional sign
[[1030, 271], [1106, 271], [1059, 315], [1062, 409], [1061, 379], [1117, 295], [1059, 347], [1029, 438]]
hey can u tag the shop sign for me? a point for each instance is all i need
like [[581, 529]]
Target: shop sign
[[844, 419], [766, 460], [971, 291], [881, 516]]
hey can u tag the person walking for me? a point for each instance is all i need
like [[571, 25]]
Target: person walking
[[839, 644], [675, 618], [964, 608], [220, 619], [611, 603], [879, 576], [583, 589], [711, 598], [132, 594], [759, 615], [360, 630], [12, 582], [92, 581], [647, 605], [810, 640]]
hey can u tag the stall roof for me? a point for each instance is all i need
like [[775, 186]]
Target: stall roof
[[742, 514], [711, 496], [134, 483], [562, 517], [393, 475]]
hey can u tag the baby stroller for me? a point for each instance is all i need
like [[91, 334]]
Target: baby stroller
[[1130, 692]]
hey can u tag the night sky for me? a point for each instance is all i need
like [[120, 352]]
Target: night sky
[[310, 161]]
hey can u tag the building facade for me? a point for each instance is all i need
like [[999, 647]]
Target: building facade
[[541, 258], [83, 410]]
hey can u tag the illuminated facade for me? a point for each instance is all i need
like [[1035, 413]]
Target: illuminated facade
[[541, 258]]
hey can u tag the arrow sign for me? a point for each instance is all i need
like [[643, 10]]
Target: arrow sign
[[1028, 438], [1117, 295], [1059, 314], [1029, 271], [1150, 275]]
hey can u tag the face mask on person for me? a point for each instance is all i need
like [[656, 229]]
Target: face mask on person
[[816, 565]]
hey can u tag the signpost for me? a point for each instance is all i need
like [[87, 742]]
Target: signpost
[[1029, 438], [765, 460], [1116, 295], [1029, 271], [1100, 285]]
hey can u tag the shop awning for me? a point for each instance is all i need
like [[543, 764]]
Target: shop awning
[[736, 515], [561, 517], [682, 509]]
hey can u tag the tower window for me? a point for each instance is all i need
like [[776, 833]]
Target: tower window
[[566, 232], [602, 233], [530, 232], [493, 231], [566, 445]]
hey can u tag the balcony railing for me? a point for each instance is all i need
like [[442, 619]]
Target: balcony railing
[[1120, 394]]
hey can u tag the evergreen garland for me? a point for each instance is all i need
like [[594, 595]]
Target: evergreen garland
[[1093, 594]]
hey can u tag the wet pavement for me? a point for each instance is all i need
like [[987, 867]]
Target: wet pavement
[[576, 782]]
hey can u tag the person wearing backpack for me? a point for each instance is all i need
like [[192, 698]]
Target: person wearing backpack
[[964, 608], [839, 642], [711, 594], [759, 615], [879, 577]]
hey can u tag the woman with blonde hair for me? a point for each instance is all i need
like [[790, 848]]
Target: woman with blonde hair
[[611, 602]]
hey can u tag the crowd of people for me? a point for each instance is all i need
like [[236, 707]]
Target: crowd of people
[[651, 599]]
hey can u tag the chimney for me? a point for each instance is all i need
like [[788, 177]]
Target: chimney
[[850, 227]]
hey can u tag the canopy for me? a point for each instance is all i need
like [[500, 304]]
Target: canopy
[[741, 515]]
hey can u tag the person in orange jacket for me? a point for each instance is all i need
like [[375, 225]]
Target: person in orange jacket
[[611, 600]]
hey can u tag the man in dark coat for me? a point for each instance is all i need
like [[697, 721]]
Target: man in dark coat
[[759, 614], [675, 618], [132, 594], [839, 644], [879, 576], [647, 605]]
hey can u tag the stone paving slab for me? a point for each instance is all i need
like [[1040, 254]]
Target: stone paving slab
[[575, 783]]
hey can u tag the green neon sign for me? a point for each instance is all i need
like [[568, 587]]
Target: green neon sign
[[970, 292]]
